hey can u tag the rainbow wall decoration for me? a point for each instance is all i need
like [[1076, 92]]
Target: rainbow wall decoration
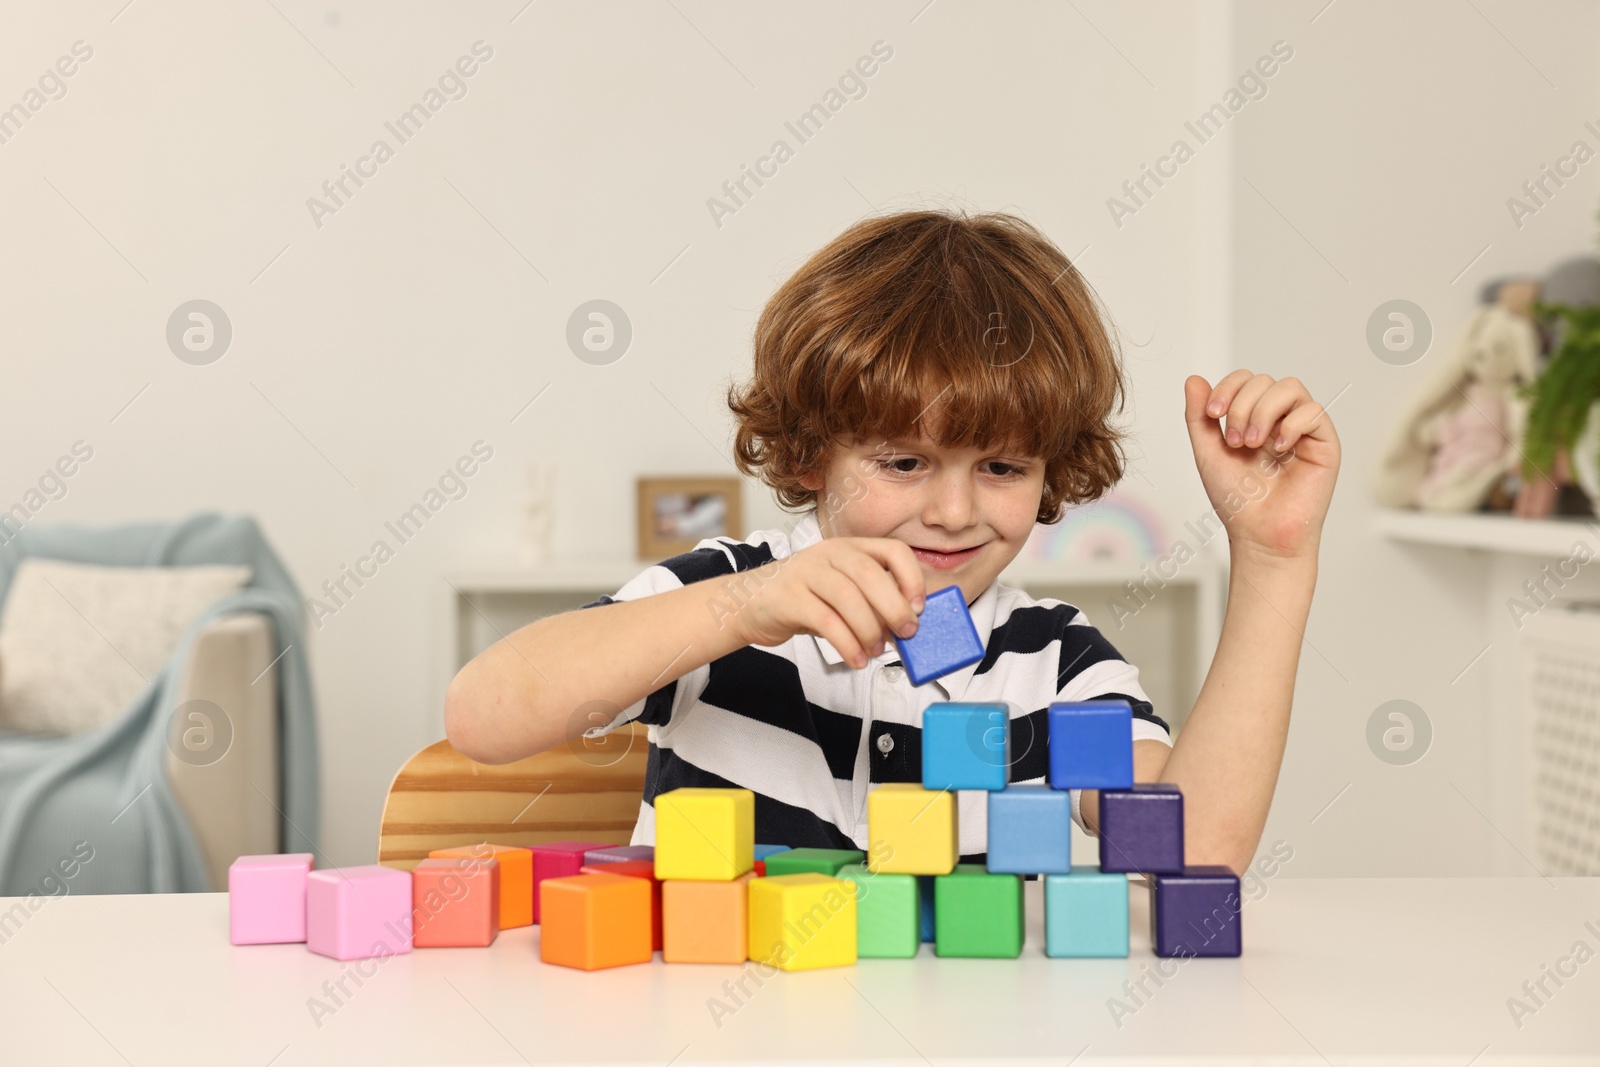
[[1117, 528]]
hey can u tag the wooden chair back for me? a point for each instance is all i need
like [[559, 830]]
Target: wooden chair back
[[441, 799]]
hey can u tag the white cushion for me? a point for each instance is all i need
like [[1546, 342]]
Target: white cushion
[[79, 643]]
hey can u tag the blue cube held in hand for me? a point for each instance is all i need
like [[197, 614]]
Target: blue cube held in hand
[[945, 641], [965, 746], [1030, 830], [1091, 744]]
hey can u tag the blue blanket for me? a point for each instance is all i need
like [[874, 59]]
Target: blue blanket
[[107, 788]]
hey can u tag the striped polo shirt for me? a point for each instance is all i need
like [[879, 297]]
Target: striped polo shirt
[[811, 736]]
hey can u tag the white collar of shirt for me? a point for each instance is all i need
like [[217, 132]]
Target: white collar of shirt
[[808, 532]]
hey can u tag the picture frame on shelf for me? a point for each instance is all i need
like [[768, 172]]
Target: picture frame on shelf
[[676, 513]]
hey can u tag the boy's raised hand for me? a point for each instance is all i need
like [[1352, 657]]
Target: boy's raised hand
[[857, 592], [1269, 468]]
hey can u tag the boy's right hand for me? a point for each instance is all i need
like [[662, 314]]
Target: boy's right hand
[[858, 592]]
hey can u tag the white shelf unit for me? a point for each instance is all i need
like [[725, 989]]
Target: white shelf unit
[[1491, 533], [1171, 639]]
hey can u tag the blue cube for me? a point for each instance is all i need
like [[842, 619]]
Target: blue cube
[[1196, 912], [1091, 745], [763, 851], [1085, 914], [965, 746], [1030, 830], [1141, 829], [945, 641]]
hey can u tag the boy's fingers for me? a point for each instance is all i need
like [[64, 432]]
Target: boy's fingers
[[1225, 390], [1279, 398], [1307, 419], [1244, 401], [902, 563], [844, 597], [882, 592], [826, 623]]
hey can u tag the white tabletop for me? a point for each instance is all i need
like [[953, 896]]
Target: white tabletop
[[1333, 971]]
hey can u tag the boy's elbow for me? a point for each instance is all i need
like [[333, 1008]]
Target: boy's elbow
[[464, 720]]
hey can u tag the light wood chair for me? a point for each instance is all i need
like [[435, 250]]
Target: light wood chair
[[441, 799]]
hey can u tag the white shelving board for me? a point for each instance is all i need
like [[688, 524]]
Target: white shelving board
[[1492, 533], [1171, 638]]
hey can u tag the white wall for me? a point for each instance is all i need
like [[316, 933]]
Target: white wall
[[432, 307]]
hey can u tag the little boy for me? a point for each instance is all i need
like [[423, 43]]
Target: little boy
[[926, 389]]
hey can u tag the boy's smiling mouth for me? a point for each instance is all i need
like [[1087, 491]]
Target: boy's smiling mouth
[[946, 559]]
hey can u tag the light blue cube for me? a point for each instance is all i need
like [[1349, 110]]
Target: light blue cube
[[1030, 830], [763, 851], [1091, 744], [965, 746], [1085, 914]]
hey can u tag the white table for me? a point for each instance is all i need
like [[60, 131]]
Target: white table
[[1334, 971]]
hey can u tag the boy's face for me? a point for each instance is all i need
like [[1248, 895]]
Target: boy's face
[[934, 498]]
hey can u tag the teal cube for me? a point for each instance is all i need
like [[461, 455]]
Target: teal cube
[[812, 861], [1086, 914], [888, 913], [976, 913]]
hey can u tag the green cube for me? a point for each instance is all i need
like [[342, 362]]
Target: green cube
[[812, 861], [888, 913], [976, 913]]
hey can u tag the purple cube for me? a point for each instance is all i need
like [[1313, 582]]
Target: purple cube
[[267, 899], [1141, 829], [1196, 913], [355, 913], [619, 854]]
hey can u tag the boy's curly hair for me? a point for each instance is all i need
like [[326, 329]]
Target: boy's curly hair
[[974, 332]]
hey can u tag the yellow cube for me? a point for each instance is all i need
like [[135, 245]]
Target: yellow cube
[[799, 922], [911, 830], [706, 835]]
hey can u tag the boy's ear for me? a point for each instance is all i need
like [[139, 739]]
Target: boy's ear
[[812, 482]]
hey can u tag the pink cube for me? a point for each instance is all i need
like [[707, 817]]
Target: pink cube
[[267, 899], [557, 859], [355, 913], [620, 854]]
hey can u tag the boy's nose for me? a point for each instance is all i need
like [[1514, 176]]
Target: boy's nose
[[951, 504]]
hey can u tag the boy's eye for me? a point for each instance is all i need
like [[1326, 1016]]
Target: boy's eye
[[894, 464]]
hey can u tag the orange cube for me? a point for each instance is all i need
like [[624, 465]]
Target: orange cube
[[516, 878], [590, 921], [636, 869], [706, 922], [454, 904]]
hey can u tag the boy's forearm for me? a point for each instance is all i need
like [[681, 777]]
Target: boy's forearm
[[1226, 757], [518, 696]]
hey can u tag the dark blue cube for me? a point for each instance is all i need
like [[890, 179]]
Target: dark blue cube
[[1091, 744], [1141, 829], [925, 893], [946, 639], [1196, 912]]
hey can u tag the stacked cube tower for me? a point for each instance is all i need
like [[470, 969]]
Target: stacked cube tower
[[707, 892]]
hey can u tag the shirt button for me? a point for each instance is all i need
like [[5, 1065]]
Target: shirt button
[[885, 744], [893, 673]]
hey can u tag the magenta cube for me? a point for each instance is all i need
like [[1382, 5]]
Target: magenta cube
[[619, 854], [355, 913], [557, 859], [267, 899]]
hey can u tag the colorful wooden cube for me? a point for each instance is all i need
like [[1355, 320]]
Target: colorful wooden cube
[[799, 922], [356, 913], [620, 854], [1091, 744], [965, 746], [946, 639], [761, 852], [1141, 829], [888, 913], [977, 913], [516, 877], [706, 922], [267, 898], [557, 859], [636, 869], [812, 861], [705, 834], [1086, 914], [455, 903], [591, 921], [1030, 830], [1196, 912], [911, 830]]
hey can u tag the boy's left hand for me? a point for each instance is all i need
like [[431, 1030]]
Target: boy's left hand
[[1269, 468]]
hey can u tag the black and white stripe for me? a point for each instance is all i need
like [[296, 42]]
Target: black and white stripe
[[811, 736]]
